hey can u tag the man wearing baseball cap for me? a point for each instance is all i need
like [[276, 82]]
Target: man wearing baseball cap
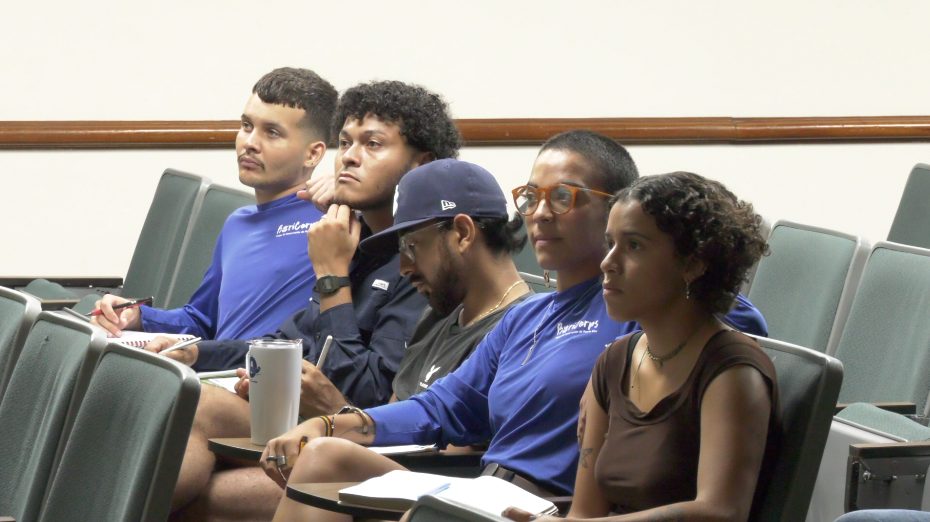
[[456, 243]]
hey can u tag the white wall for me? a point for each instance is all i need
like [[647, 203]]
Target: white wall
[[78, 212]]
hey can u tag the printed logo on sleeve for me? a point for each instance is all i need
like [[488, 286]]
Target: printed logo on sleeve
[[296, 227], [380, 284]]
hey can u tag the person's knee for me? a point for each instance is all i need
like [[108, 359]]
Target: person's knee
[[321, 459], [330, 459], [219, 413]]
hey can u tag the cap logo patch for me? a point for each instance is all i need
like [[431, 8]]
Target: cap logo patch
[[446, 205]]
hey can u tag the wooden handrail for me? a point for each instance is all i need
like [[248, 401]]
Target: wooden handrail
[[484, 132]]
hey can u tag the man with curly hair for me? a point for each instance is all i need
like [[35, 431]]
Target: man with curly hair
[[384, 129]]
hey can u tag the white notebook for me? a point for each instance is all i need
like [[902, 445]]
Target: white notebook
[[400, 489], [403, 449], [135, 339]]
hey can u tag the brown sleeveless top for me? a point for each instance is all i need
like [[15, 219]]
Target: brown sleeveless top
[[651, 459]]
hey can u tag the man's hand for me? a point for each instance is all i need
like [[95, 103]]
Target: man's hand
[[115, 321], [281, 452], [318, 396], [187, 356], [321, 187], [331, 241], [242, 385]]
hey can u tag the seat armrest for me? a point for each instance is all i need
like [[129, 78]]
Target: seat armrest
[[903, 408], [890, 450], [460, 463], [73, 282], [7, 519], [57, 304], [889, 475]]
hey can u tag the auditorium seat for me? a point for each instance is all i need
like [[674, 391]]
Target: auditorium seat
[[209, 215], [911, 224], [44, 390], [128, 473], [805, 285], [155, 257], [885, 350], [808, 383], [17, 313]]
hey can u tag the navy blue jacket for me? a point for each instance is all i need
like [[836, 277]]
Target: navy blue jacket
[[369, 336]]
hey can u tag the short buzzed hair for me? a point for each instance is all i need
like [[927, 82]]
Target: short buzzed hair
[[301, 89], [606, 156]]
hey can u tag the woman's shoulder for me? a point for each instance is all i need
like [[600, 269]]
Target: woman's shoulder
[[618, 350], [731, 348]]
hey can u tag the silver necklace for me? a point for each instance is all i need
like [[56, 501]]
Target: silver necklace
[[581, 299], [545, 316]]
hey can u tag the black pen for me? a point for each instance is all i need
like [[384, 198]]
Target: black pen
[[127, 304]]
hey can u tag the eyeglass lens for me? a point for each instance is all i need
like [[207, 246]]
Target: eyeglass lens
[[559, 197]]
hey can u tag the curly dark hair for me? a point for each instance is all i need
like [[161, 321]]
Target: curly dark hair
[[707, 223], [301, 89], [422, 116]]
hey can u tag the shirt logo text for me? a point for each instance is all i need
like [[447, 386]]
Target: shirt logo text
[[578, 327], [294, 228]]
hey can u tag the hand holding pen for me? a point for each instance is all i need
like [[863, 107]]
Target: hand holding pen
[[114, 314], [185, 352]]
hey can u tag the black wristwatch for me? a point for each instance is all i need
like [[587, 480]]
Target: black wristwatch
[[330, 284]]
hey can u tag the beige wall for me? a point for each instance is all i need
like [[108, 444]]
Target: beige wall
[[78, 212]]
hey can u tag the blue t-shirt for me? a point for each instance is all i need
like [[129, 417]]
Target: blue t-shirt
[[521, 387], [260, 275]]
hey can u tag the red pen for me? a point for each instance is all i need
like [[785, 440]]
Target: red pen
[[127, 304]]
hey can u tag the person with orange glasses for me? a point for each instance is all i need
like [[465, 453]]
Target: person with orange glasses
[[521, 387]]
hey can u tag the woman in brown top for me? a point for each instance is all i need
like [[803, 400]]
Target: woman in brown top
[[678, 418]]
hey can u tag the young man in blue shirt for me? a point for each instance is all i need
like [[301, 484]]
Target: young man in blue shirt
[[259, 275], [385, 129]]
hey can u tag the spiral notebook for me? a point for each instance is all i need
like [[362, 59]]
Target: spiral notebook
[[399, 490], [134, 339]]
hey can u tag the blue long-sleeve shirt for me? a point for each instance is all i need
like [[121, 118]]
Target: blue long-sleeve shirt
[[259, 276], [521, 387], [369, 335]]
